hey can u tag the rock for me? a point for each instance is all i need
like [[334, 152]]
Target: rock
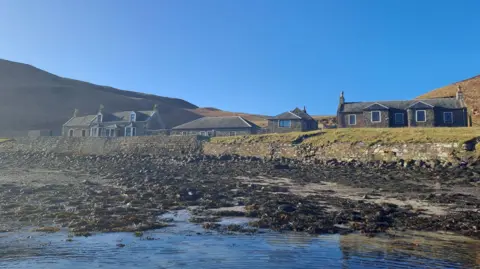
[[287, 208]]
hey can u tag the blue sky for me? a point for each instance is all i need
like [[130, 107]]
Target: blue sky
[[257, 56]]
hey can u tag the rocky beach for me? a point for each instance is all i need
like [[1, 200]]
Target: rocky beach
[[129, 192]]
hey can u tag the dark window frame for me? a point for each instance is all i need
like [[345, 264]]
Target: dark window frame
[[349, 117], [283, 123], [379, 116], [424, 116], [402, 117], [451, 117]]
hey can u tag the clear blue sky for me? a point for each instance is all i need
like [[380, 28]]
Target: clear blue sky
[[257, 56]]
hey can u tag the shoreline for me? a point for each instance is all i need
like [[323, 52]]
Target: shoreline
[[128, 192]]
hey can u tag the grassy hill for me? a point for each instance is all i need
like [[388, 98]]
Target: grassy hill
[[471, 89], [31, 98]]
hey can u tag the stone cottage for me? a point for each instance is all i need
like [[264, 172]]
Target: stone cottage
[[217, 126], [437, 112], [122, 123], [296, 120]]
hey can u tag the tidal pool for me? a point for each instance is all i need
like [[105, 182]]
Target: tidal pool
[[187, 245]]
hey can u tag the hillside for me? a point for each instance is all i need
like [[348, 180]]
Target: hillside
[[471, 90], [31, 98]]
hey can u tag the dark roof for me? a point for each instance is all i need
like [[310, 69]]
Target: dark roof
[[116, 117], [450, 103], [80, 121], [216, 123], [296, 114]]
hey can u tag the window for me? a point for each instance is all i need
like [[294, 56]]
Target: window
[[203, 133], [184, 133], [210, 133], [285, 123], [233, 133], [93, 132], [84, 133], [70, 133], [352, 119], [133, 116], [448, 117], [375, 117], [110, 132], [399, 119], [421, 116], [130, 131]]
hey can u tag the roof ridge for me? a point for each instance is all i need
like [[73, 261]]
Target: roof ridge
[[294, 114], [450, 97], [244, 121]]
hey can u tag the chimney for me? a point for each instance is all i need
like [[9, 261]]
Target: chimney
[[100, 109], [342, 98], [75, 112], [459, 95], [304, 109], [155, 107]]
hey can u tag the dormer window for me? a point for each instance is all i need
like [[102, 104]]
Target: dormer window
[[99, 118], [133, 116]]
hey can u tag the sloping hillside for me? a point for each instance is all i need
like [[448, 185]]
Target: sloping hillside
[[471, 90], [31, 98]]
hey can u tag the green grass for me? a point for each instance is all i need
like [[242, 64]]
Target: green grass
[[366, 135], [265, 138], [395, 135], [4, 139]]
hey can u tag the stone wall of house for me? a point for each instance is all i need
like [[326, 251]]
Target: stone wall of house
[[430, 118], [296, 126], [158, 145], [359, 124], [384, 119], [460, 117]]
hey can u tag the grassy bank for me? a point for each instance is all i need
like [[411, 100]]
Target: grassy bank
[[4, 139], [365, 135]]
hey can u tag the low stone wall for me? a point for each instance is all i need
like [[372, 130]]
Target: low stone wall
[[188, 145], [157, 145], [344, 151], [363, 152], [263, 150]]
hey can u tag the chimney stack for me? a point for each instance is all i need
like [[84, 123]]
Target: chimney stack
[[459, 94], [304, 109], [75, 112], [100, 109], [342, 98]]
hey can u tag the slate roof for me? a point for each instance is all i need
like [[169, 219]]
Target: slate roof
[[296, 114], [110, 118], [217, 123], [80, 121], [449, 103]]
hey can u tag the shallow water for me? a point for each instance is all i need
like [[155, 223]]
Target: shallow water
[[187, 245]]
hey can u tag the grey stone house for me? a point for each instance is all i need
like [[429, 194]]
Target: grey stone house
[[296, 120], [217, 126], [104, 124], [437, 112]]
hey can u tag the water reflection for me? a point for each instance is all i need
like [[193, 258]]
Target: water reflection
[[174, 248]]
